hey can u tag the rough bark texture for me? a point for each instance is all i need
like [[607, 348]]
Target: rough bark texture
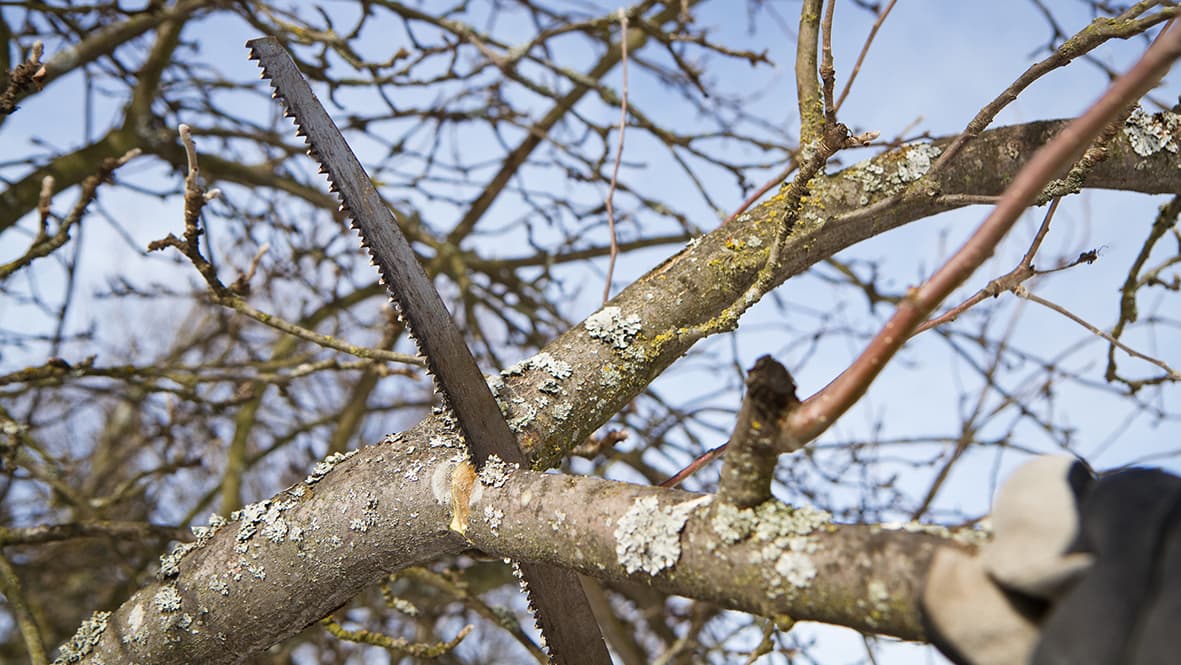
[[286, 562]]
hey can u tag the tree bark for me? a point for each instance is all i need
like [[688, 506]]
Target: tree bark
[[286, 562]]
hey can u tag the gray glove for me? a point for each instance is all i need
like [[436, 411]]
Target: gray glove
[[1081, 571]]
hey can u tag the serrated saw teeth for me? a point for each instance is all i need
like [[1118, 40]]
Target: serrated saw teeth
[[552, 593]]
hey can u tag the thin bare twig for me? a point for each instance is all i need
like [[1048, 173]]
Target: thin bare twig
[[26, 75], [864, 50], [25, 620], [1166, 219], [818, 412], [1005, 282], [1022, 292], [618, 155], [827, 70], [1098, 32]]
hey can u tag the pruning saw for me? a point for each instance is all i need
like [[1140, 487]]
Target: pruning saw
[[560, 608]]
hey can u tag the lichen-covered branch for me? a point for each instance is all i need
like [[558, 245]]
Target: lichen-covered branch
[[754, 449], [281, 564], [554, 400]]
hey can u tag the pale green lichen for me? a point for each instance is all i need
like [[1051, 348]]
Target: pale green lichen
[[889, 174], [796, 568], [609, 376], [167, 599], [248, 518], [610, 326], [493, 516], [274, 526], [561, 411], [496, 471], [559, 369], [523, 412], [326, 465], [411, 471], [84, 640], [784, 536], [977, 536], [170, 562], [265, 517], [731, 523], [368, 516], [775, 520], [648, 536], [404, 606], [440, 441], [1149, 134]]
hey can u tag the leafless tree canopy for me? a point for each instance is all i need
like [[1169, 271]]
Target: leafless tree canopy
[[197, 361]]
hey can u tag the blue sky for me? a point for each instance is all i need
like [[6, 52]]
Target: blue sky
[[935, 62]]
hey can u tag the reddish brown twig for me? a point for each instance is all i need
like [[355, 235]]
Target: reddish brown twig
[[818, 412]]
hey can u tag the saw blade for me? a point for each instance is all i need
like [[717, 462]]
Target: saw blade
[[555, 594]]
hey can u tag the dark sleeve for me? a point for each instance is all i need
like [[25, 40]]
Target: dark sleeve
[[1127, 604], [1158, 641]]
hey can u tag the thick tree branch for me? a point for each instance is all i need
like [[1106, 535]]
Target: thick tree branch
[[288, 561]]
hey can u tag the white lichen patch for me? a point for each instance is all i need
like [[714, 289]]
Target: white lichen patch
[[135, 618], [440, 441], [84, 640], [327, 464], [648, 536], [216, 522], [274, 527], [731, 523], [493, 516], [496, 471], [404, 606], [796, 568], [170, 562], [776, 520], [784, 537], [167, 599], [610, 326], [561, 411], [876, 602], [248, 518], [411, 471], [368, 516], [559, 520], [879, 595], [609, 376], [523, 412], [1149, 134], [558, 369], [888, 175], [977, 536], [265, 517]]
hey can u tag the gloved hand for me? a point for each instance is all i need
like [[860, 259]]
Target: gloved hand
[[1081, 571]]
